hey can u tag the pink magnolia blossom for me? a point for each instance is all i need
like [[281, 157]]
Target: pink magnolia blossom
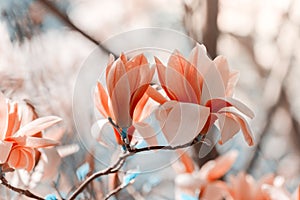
[[204, 87], [127, 82], [205, 183], [20, 134]]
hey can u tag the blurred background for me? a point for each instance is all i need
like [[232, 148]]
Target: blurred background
[[44, 43]]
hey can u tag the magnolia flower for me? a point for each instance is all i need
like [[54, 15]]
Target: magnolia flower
[[127, 82], [204, 183], [269, 187], [20, 135], [205, 88]]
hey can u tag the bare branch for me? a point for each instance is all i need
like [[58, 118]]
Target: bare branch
[[120, 162], [65, 19], [115, 191], [18, 190]]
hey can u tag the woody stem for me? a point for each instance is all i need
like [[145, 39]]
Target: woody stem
[[27, 193], [119, 163]]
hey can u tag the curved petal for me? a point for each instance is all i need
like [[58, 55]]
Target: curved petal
[[243, 124], [186, 160], [155, 95], [138, 101], [101, 101], [147, 132], [219, 103], [161, 72], [37, 125], [223, 68], [116, 71], [111, 60], [183, 122], [5, 148], [213, 86], [243, 186], [103, 133], [228, 126], [233, 79], [35, 142], [222, 165], [175, 84], [120, 100], [179, 85], [198, 57], [136, 61], [30, 159], [13, 121], [22, 157]]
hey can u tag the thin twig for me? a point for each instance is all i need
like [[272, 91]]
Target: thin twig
[[65, 19], [114, 168], [119, 163], [18, 190], [115, 191]]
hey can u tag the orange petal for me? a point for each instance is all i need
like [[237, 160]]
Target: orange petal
[[37, 125], [35, 142], [243, 186], [12, 119], [120, 100], [147, 132], [99, 132], [228, 126], [183, 122], [213, 86], [198, 57], [116, 72], [139, 60], [22, 157], [222, 165], [186, 160], [180, 87], [193, 79], [223, 68], [177, 62], [101, 101], [244, 126], [155, 95], [111, 60], [5, 148], [233, 79], [140, 98], [219, 103]]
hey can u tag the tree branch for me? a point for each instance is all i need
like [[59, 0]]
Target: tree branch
[[119, 163], [65, 19], [115, 191], [18, 190]]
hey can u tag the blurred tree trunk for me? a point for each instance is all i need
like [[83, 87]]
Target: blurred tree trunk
[[210, 39], [211, 31]]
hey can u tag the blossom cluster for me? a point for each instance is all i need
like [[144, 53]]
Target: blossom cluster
[[196, 93], [206, 183], [21, 134]]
